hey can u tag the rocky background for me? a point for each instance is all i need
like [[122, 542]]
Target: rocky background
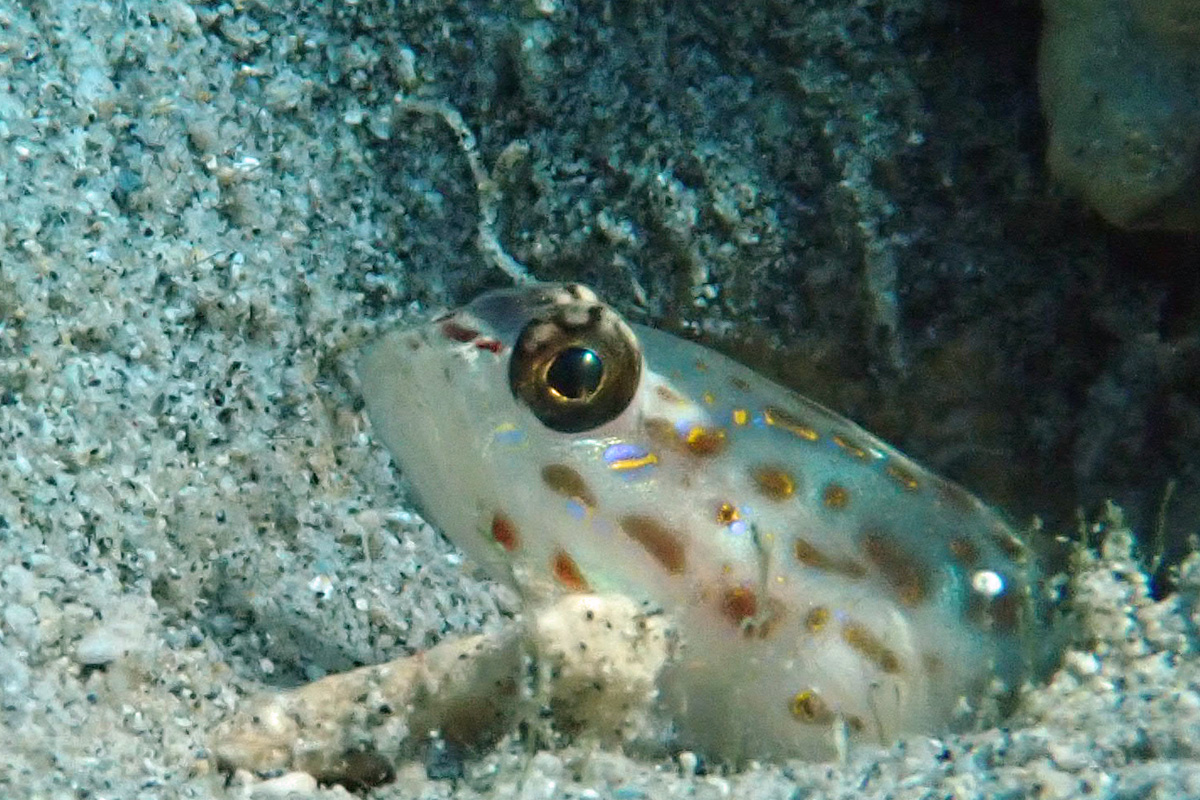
[[206, 209]]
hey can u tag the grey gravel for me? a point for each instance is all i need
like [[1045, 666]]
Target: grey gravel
[[206, 209]]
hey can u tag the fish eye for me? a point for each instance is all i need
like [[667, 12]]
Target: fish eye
[[576, 371]]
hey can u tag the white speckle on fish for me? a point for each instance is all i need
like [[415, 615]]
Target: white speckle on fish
[[824, 586]]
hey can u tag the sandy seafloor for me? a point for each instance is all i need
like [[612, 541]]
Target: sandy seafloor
[[205, 211]]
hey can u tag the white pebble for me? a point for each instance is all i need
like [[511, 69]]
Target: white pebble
[[1082, 664], [99, 648], [285, 785]]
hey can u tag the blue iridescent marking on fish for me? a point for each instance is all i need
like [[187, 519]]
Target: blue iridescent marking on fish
[[633, 461], [509, 435], [577, 510]]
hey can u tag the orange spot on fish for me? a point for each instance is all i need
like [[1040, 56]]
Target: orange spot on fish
[[850, 448], [773, 482], [663, 544], [567, 572], [835, 496], [457, 332], [906, 574], [666, 394], [704, 441], [504, 532], [808, 706], [727, 513], [903, 477], [817, 619], [778, 418], [567, 482], [739, 604]]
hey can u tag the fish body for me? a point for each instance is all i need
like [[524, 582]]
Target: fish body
[[824, 586]]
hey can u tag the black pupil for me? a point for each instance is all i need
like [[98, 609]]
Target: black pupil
[[575, 373]]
